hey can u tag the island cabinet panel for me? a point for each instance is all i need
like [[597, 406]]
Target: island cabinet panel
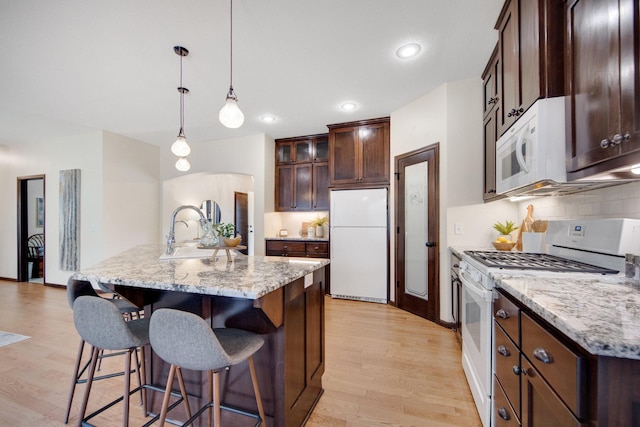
[[359, 153], [603, 75], [289, 366]]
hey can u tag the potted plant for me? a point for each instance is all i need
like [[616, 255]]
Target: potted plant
[[318, 222], [227, 232]]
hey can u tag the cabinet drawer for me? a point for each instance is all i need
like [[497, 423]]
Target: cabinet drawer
[[560, 366], [507, 357], [503, 414], [317, 249], [285, 248], [507, 314]]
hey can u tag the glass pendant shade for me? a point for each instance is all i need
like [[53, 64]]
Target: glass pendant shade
[[230, 114], [180, 148], [183, 164]]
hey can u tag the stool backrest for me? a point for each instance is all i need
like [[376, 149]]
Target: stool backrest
[[100, 323], [186, 340], [77, 288]]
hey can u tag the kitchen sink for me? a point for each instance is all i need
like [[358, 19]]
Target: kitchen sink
[[183, 252]]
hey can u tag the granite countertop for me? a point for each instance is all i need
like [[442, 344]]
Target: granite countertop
[[600, 313], [299, 239], [246, 277]]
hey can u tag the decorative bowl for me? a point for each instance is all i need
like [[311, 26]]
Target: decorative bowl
[[506, 246], [232, 241]]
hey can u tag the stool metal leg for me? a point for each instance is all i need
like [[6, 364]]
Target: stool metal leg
[[210, 386], [256, 390], [127, 389], [74, 381], [85, 399], [216, 400]]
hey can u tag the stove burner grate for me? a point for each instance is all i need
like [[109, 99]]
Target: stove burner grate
[[534, 261]]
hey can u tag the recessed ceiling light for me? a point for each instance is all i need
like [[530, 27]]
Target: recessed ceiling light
[[349, 106], [408, 50], [268, 118]]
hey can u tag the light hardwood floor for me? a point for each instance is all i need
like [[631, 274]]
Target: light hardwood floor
[[385, 367]]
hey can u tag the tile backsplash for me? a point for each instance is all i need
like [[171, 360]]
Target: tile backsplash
[[621, 201]]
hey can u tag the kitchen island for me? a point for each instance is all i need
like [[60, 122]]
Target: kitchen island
[[280, 298]]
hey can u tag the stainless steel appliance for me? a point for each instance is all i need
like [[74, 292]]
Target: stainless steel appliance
[[574, 246]]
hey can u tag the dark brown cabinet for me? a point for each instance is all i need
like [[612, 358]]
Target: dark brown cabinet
[[603, 74], [529, 57], [540, 379], [297, 248], [491, 110], [359, 153], [301, 175], [304, 347]]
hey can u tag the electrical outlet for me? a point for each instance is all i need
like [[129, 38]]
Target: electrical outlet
[[458, 228]]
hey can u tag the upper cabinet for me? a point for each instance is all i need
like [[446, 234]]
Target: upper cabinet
[[492, 93], [359, 153], [529, 57], [603, 74], [301, 178]]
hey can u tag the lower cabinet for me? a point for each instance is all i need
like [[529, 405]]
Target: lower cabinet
[[297, 248], [540, 379], [304, 347]]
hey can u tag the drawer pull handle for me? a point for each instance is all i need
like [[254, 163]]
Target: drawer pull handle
[[517, 370], [502, 413], [504, 351], [542, 355], [502, 314]]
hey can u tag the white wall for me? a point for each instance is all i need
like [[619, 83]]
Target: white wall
[[131, 195], [291, 221], [252, 155], [452, 116], [116, 172], [49, 157]]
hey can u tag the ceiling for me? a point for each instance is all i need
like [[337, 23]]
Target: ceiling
[[73, 66]]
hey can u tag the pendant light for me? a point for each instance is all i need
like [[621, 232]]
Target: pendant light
[[180, 148], [230, 114], [183, 164]]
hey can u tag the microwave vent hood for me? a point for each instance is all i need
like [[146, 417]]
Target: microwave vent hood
[[530, 156], [553, 188]]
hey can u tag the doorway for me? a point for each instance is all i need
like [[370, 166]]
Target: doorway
[[417, 260], [31, 220], [241, 218]]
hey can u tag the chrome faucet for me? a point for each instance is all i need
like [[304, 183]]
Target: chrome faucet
[[171, 238]]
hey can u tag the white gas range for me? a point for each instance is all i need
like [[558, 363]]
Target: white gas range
[[573, 246]]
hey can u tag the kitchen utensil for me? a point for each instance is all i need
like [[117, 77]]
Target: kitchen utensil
[[539, 226]]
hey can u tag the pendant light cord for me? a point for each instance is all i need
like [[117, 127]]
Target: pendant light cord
[[231, 44], [181, 90]]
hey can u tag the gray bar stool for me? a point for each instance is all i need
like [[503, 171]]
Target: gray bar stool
[[75, 289], [101, 324], [185, 340]]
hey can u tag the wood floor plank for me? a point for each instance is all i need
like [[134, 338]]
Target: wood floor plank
[[384, 367]]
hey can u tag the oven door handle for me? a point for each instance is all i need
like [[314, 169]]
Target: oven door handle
[[474, 287]]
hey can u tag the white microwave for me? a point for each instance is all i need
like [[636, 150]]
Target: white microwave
[[533, 148]]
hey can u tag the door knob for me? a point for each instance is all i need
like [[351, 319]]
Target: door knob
[[430, 244]]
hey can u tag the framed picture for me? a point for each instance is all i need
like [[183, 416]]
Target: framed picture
[[39, 212]]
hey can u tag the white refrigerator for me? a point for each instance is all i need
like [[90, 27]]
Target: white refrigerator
[[359, 234]]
